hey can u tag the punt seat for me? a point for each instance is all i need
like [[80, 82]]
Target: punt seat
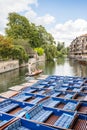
[[7, 105], [64, 121], [36, 100], [68, 96], [17, 125], [21, 97], [22, 112], [50, 102], [70, 106], [38, 114]]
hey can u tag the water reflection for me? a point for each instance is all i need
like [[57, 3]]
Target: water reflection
[[60, 61], [62, 66], [12, 78], [49, 67]]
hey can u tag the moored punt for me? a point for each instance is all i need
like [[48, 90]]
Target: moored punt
[[58, 102], [52, 117], [30, 98], [66, 94], [17, 87], [67, 105], [22, 124], [34, 90], [21, 96], [29, 90], [21, 87], [8, 94], [14, 107], [52, 93], [5, 119], [36, 99]]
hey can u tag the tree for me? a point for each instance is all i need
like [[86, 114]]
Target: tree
[[6, 46], [50, 51], [19, 53], [10, 51], [18, 26], [60, 46]]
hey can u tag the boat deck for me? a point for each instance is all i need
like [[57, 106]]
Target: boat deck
[[80, 125]]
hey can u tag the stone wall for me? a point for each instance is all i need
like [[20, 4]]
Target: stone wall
[[8, 65]]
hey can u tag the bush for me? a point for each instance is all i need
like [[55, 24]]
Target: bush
[[40, 51]]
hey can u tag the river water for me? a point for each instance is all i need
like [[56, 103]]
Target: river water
[[62, 66]]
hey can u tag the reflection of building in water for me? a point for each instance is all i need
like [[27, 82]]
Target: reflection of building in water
[[78, 48], [79, 70]]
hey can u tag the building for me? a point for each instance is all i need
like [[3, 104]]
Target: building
[[78, 48]]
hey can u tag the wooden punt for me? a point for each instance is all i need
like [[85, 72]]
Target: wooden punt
[[25, 124], [17, 88], [21, 109], [8, 94], [52, 118], [33, 98], [37, 72]]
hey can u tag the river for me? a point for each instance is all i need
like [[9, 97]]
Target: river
[[62, 66]]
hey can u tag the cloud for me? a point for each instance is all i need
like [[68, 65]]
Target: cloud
[[24, 6], [65, 32], [43, 20], [7, 6], [69, 30]]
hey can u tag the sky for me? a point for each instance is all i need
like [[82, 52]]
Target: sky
[[64, 19]]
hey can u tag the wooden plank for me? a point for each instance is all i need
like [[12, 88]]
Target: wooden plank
[[8, 94], [33, 81], [85, 99], [17, 88], [2, 99]]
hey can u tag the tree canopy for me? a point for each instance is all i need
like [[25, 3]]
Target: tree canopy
[[19, 27], [10, 51], [22, 36]]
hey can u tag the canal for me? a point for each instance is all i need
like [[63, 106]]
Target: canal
[[62, 66]]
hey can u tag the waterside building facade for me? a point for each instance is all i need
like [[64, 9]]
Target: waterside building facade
[[78, 48]]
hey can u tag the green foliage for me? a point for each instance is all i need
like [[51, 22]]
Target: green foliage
[[19, 53], [50, 51], [59, 54], [40, 51], [10, 51], [18, 26], [60, 46], [24, 43], [28, 35], [61, 49], [6, 46]]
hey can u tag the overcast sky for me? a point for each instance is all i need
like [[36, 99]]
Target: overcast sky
[[65, 19]]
